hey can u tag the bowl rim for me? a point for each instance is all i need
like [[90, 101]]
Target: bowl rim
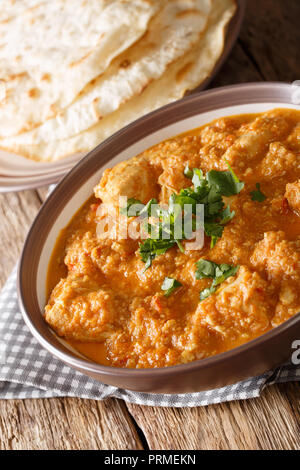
[[267, 89]]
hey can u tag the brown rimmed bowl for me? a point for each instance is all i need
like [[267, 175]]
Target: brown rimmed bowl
[[254, 357]]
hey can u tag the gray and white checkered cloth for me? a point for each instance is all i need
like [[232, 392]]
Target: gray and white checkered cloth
[[29, 371]]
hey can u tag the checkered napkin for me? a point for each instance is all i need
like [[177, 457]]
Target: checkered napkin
[[29, 371]]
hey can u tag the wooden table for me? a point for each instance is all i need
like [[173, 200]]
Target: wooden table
[[268, 49]]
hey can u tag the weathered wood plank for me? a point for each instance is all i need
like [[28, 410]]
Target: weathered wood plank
[[271, 37], [238, 69], [64, 424], [270, 422], [17, 211], [42, 193]]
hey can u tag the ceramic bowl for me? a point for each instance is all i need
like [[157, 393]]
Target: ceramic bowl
[[254, 357]]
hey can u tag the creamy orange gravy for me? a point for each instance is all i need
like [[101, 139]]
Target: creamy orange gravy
[[104, 304]]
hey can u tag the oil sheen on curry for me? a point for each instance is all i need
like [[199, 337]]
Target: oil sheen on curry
[[147, 301]]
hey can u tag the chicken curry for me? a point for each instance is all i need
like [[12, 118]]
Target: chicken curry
[[147, 302]]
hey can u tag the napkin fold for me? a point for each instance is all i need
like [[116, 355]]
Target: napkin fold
[[27, 370]]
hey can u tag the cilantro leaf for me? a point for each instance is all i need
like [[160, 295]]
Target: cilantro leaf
[[197, 178], [150, 248], [179, 244], [205, 269], [205, 293], [214, 195], [213, 230], [149, 210], [229, 272], [214, 208], [218, 272], [258, 195], [187, 172], [133, 208], [236, 179], [169, 285], [226, 216], [181, 200], [198, 193], [225, 182]]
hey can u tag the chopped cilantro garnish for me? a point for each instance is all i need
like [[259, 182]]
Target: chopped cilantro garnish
[[133, 208], [167, 230], [218, 272], [169, 285], [258, 195]]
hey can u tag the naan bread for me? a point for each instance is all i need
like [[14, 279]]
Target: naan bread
[[48, 53], [183, 75], [172, 33], [11, 8]]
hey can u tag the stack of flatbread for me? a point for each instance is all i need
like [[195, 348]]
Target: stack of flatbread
[[73, 72]]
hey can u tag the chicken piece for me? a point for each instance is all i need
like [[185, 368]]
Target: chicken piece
[[255, 139], [293, 139], [278, 257], [221, 132], [198, 341], [169, 160], [161, 267], [292, 194], [289, 302], [78, 252], [78, 309], [172, 176], [278, 161], [201, 151], [134, 178], [240, 310]]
